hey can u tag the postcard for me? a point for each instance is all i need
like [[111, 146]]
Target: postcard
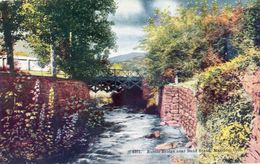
[[129, 81]]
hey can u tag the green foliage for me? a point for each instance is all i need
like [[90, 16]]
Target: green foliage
[[10, 27], [199, 37], [91, 118], [225, 109], [79, 31], [220, 84], [174, 43], [226, 131], [228, 144], [248, 36], [14, 19], [219, 88], [41, 50], [238, 109]]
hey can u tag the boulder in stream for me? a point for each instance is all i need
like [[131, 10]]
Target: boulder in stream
[[155, 134], [181, 160], [166, 146], [191, 144]]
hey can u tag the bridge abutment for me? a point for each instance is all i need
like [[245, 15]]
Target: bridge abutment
[[178, 108]]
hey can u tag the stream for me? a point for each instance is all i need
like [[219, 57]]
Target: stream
[[116, 144], [124, 141]]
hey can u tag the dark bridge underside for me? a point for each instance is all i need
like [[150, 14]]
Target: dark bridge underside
[[110, 84]]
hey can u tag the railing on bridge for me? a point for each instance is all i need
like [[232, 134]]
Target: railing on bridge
[[115, 80]]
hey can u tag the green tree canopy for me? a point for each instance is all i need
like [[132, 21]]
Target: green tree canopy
[[173, 44], [196, 38], [80, 32], [10, 27]]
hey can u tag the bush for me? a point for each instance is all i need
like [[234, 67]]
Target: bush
[[32, 124], [225, 110], [238, 109], [218, 89], [221, 83], [229, 144], [91, 118]]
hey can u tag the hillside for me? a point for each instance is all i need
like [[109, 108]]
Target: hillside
[[131, 61], [126, 57]]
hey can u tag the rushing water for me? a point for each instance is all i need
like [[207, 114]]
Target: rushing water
[[115, 144]]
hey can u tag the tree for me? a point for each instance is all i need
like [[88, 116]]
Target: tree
[[175, 44], [198, 37], [10, 27], [79, 31], [249, 30]]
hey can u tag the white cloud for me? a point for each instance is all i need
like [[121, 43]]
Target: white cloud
[[126, 45], [128, 38], [171, 5], [128, 31], [127, 8]]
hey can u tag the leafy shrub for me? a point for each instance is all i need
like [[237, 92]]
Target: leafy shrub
[[229, 144], [91, 118], [238, 109], [221, 83], [225, 110], [32, 124], [218, 89]]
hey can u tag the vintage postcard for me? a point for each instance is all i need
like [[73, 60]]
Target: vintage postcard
[[129, 81]]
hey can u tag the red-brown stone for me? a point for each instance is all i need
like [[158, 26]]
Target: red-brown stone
[[251, 84], [63, 88], [178, 106]]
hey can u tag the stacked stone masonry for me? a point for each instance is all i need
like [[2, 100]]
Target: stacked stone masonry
[[178, 108], [252, 86], [63, 88]]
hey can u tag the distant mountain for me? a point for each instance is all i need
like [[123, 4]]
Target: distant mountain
[[126, 57]]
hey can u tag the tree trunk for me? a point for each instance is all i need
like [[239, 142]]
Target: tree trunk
[[53, 62], [8, 38]]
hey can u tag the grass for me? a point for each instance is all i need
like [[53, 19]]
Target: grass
[[190, 84], [46, 73]]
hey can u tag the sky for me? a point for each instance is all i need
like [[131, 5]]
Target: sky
[[131, 17]]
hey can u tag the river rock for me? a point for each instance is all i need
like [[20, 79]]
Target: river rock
[[162, 123], [165, 146], [191, 144], [188, 145], [155, 134], [181, 160]]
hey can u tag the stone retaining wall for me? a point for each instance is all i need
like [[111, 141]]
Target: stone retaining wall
[[39, 115], [252, 85], [178, 108], [64, 89]]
